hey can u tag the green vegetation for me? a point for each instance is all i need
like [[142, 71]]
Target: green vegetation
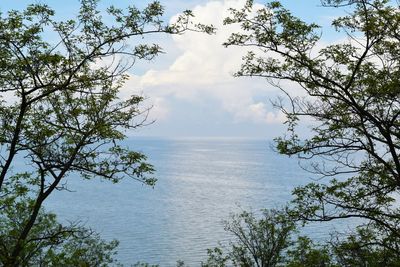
[[273, 240], [353, 98], [259, 242], [63, 115], [60, 113]]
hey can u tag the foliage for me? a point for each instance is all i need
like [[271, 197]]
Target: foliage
[[365, 247], [61, 113], [143, 264], [257, 242], [49, 243], [353, 99], [271, 241], [306, 253], [216, 258]]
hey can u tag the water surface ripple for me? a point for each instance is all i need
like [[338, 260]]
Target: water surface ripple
[[200, 182]]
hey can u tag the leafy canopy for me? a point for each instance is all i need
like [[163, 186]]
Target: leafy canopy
[[60, 113], [353, 98]]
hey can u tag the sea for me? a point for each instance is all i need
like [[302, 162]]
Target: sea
[[201, 183]]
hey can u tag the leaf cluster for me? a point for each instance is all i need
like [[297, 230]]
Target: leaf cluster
[[62, 113], [352, 96], [255, 239]]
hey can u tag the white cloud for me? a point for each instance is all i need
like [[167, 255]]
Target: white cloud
[[160, 109], [205, 68], [258, 113]]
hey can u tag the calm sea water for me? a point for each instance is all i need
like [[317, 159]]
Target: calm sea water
[[200, 182]]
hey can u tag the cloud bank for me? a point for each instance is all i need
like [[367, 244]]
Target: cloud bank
[[204, 70]]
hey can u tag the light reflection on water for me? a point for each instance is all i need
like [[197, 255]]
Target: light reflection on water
[[200, 182]]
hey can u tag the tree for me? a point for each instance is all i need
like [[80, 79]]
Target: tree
[[269, 241], [257, 242], [353, 99], [60, 113], [48, 243]]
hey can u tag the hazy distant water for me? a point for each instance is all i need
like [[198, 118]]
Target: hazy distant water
[[200, 182]]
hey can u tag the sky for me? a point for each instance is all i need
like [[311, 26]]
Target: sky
[[191, 86]]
